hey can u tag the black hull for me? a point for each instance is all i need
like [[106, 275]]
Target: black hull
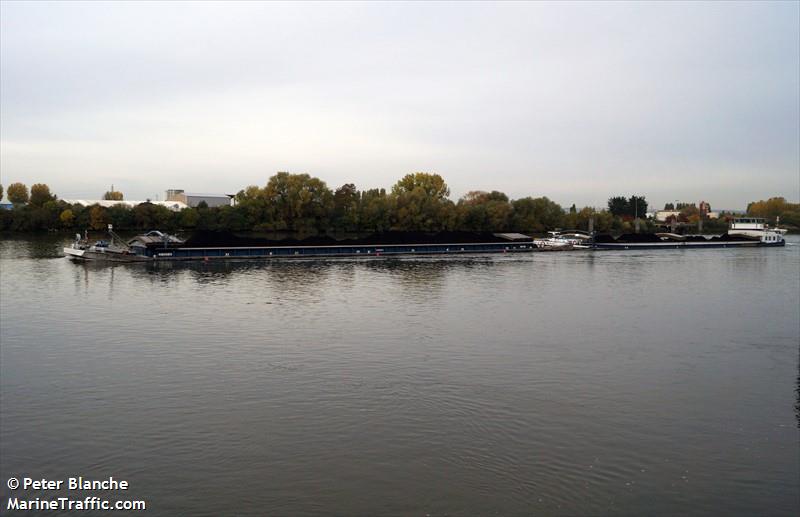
[[685, 245]]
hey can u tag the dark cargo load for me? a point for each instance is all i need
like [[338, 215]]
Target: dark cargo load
[[209, 239]]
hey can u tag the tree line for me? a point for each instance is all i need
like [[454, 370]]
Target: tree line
[[302, 204]]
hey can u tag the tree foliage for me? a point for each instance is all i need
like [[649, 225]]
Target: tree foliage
[[432, 185], [775, 207], [113, 195], [67, 217], [40, 194], [302, 204], [634, 206], [18, 193]]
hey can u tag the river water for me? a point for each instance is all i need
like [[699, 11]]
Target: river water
[[577, 383]]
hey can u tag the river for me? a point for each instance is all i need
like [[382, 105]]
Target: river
[[578, 383]]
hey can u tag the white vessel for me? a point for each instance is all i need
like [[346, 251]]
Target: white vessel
[[116, 250], [565, 241], [756, 228]]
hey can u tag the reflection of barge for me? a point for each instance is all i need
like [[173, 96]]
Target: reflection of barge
[[157, 246]]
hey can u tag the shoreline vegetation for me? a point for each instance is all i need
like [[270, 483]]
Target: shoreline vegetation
[[302, 205]]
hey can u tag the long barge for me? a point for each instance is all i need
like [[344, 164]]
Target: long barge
[[157, 246]]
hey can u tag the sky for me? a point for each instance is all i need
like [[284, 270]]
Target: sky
[[574, 101]]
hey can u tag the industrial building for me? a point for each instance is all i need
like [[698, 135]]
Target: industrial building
[[194, 199]]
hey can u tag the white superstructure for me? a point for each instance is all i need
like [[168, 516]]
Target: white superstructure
[[756, 228]]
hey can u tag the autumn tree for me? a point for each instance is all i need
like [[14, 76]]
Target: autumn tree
[[67, 217], [18, 193], [113, 195], [775, 207], [40, 194], [98, 217]]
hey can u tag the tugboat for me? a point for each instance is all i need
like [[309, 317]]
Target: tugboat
[[117, 250]]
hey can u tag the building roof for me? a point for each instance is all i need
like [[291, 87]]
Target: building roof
[[200, 194]]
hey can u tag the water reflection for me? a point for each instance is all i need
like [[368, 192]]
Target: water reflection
[[35, 245], [797, 391], [460, 385]]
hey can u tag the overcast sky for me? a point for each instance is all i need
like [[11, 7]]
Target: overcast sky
[[575, 101]]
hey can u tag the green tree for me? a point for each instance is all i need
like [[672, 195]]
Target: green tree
[[1, 191], [375, 210], [188, 218], [432, 185], [420, 203], [18, 193], [346, 201], [483, 211], [637, 206], [40, 194], [299, 202], [536, 214], [618, 206], [149, 216], [121, 216]]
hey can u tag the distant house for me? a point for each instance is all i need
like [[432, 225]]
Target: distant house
[[668, 215], [664, 215], [193, 199]]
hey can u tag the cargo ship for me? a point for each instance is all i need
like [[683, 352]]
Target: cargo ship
[[159, 246]]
